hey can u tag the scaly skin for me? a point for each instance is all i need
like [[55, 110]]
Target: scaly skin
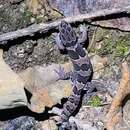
[[67, 39]]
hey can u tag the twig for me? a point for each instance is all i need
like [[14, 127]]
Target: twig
[[93, 39], [44, 27]]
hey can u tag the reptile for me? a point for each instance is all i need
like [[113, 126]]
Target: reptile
[[67, 40]]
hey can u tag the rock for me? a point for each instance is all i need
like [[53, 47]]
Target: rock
[[121, 23], [12, 92], [98, 66], [90, 118], [42, 8], [49, 125], [76, 7], [22, 123], [34, 5], [126, 113], [31, 53], [18, 56], [42, 83], [11, 16], [49, 96], [82, 125]]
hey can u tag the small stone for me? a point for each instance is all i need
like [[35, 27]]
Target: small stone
[[32, 19], [98, 66], [49, 125]]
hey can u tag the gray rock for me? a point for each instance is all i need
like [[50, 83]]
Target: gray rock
[[29, 53], [22, 123], [75, 7], [12, 92]]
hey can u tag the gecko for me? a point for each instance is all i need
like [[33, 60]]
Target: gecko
[[68, 40]]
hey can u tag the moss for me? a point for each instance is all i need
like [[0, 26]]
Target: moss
[[120, 50], [48, 15], [38, 19], [112, 42], [101, 33], [94, 101], [107, 47], [104, 38], [128, 40], [122, 46], [26, 15], [53, 15]]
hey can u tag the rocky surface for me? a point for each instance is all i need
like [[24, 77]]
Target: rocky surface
[[75, 7], [90, 118], [17, 124], [12, 16], [29, 53], [35, 58], [12, 87], [26, 52], [45, 91]]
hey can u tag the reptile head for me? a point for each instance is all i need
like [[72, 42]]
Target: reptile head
[[67, 34]]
